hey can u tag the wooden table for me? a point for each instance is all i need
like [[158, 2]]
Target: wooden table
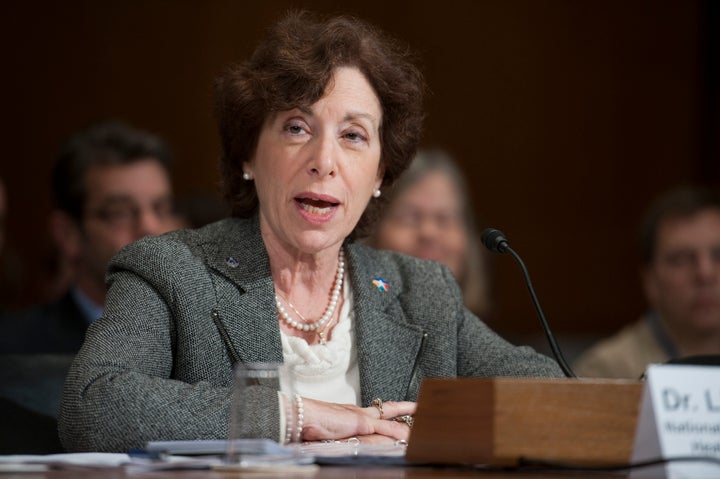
[[324, 472]]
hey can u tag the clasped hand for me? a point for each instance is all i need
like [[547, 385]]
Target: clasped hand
[[323, 420]]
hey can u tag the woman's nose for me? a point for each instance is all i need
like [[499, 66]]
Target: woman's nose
[[322, 161], [428, 227]]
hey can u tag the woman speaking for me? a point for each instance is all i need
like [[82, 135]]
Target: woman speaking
[[324, 116]]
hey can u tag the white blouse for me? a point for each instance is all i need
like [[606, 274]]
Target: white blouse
[[327, 372]]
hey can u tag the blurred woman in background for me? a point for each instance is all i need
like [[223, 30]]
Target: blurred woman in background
[[430, 217]]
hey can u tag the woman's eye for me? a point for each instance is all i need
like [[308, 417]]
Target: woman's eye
[[354, 136], [295, 129]]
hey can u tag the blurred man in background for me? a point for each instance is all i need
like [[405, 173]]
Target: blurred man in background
[[111, 184], [681, 279]]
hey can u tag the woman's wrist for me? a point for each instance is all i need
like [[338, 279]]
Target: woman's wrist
[[286, 415], [292, 417], [299, 417]]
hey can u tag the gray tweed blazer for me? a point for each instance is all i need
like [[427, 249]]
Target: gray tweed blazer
[[184, 307]]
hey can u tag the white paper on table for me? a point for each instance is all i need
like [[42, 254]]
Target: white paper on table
[[70, 460]]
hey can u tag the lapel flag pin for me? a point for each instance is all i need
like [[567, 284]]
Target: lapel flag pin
[[381, 284], [232, 262]]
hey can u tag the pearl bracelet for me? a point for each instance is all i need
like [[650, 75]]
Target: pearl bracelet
[[288, 411], [299, 418]]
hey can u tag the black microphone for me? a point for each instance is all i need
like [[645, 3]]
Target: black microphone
[[496, 242]]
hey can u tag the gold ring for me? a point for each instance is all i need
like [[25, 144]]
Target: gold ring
[[378, 403], [407, 419]]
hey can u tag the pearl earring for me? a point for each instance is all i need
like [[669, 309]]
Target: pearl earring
[[246, 176], [377, 193]]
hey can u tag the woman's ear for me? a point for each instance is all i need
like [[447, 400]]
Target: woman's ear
[[380, 176], [247, 171]]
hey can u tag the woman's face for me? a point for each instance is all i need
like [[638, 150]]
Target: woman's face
[[425, 221], [316, 168]]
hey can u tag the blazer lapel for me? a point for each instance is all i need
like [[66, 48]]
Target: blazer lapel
[[387, 345], [245, 303]]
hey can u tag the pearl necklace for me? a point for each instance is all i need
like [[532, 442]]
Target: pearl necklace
[[329, 312]]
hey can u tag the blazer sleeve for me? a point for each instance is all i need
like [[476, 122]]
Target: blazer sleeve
[[482, 352], [128, 386]]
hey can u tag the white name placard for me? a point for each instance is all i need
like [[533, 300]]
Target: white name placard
[[679, 417]]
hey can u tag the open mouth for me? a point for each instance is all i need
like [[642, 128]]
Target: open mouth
[[315, 206]]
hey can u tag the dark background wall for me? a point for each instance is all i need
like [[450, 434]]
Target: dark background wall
[[566, 116]]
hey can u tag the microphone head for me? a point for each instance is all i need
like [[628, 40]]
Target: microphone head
[[494, 240]]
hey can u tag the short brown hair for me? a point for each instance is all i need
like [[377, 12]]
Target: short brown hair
[[291, 68], [105, 143], [681, 202]]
